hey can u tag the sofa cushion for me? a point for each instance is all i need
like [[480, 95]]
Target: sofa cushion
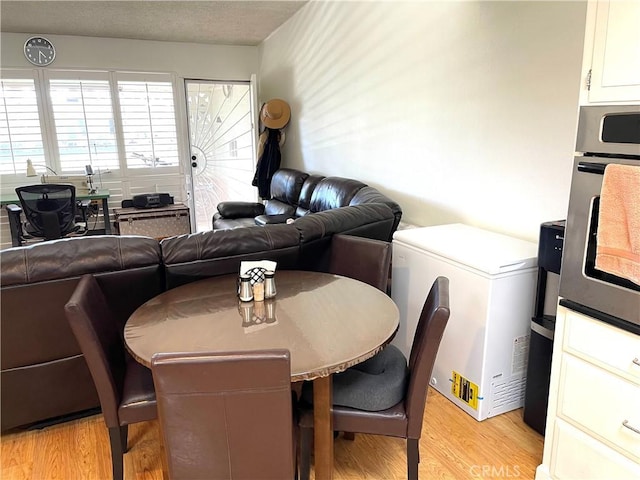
[[304, 202], [372, 195], [70, 257], [346, 220], [286, 185], [200, 255], [277, 207], [272, 219], [220, 223], [333, 192], [373, 220], [373, 385]]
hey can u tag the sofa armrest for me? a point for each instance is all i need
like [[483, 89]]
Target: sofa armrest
[[240, 209], [13, 208]]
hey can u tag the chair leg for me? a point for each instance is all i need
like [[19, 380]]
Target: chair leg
[[413, 458], [15, 227], [118, 441], [306, 435]]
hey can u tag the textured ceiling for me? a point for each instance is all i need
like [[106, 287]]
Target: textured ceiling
[[236, 22]]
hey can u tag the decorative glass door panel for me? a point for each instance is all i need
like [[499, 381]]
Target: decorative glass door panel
[[221, 132]]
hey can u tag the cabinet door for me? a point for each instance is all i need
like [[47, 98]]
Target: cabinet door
[[599, 403], [579, 456], [615, 63]]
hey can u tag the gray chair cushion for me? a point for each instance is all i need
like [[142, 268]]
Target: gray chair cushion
[[375, 384]]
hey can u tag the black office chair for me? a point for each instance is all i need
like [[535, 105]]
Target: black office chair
[[50, 211]]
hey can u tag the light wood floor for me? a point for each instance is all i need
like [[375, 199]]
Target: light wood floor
[[453, 446]]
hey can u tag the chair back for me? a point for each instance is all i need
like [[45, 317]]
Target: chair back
[[50, 209], [98, 335], [426, 341], [361, 258], [226, 415]]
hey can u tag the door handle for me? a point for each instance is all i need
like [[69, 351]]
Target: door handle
[[591, 167]]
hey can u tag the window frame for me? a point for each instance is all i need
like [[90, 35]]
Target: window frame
[[36, 76], [42, 77], [79, 76], [127, 76]]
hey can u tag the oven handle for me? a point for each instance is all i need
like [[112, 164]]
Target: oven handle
[[591, 167]]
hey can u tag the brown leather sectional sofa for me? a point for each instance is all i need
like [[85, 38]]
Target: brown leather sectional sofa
[[44, 375], [296, 194]]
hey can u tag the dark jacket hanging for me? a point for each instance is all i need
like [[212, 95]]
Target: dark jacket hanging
[[268, 163]]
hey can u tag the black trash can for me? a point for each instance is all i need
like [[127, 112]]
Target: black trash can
[[542, 326]]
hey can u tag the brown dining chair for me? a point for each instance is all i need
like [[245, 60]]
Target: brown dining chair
[[363, 259], [226, 415], [124, 386], [404, 419]]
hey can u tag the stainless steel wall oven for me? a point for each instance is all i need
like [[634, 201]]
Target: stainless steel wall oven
[[606, 135]]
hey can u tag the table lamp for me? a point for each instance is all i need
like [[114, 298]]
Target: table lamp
[[31, 171]]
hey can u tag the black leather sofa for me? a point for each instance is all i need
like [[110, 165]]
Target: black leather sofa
[[43, 373], [296, 194]]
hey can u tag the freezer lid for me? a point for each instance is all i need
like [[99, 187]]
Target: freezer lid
[[489, 252]]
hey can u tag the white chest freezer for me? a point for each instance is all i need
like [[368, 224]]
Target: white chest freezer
[[481, 363]]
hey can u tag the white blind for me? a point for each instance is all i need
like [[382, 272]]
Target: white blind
[[148, 124], [84, 125], [20, 134]]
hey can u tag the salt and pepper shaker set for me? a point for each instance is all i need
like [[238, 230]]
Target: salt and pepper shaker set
[[260, 290]]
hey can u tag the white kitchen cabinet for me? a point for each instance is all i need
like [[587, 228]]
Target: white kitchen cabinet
[[593, 420], [611, 65]]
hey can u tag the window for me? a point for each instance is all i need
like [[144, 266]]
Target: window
[[84, 124], [20, 134], [65, 120], [148, 124]]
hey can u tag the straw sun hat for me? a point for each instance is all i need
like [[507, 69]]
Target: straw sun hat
[[275, 114]]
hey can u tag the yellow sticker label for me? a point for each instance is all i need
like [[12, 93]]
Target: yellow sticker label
[[465, 390]]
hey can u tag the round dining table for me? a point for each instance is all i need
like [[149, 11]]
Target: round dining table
[[327, 322]]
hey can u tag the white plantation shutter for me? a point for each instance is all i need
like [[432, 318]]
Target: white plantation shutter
[[66, 119], [20, 134], [148, 124], [84, 124]]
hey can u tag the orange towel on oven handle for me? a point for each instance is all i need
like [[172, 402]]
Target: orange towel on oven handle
[[618, 247]]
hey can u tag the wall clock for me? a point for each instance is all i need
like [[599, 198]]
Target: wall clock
[[39, 51]]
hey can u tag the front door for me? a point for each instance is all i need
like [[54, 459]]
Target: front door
[[222, 139]]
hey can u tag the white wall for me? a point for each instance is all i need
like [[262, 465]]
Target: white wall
[[187, 60], [461, 111]]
